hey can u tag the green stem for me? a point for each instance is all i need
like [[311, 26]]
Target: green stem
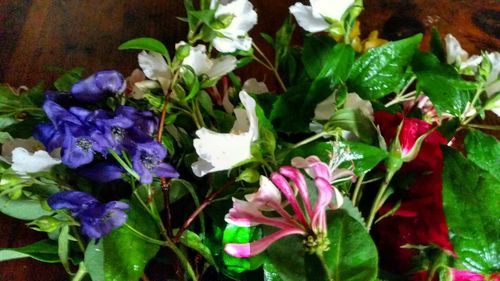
[[182, 258], [271, 66], [311, 139], [486, 127], [78, 238], [379, 199], [144, 236], [127, 168], [82, 271], [357, 189], [472, 104]]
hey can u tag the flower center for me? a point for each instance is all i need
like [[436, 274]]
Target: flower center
[[84, 144], [316, 243], [149, 161], [118, 133]]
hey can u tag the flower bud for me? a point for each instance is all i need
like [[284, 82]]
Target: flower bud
[[223, 21], [249, 175], [182, 51], [45, 224]]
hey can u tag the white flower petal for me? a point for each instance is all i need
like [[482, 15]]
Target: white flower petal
[[229, 45], [494, 59], [266, 194], [29, 144], [244, 17], [198, 60], [222, 151], [24, 162], [324, 110], [305, 18], [354, 101], [255, 87], [222, 66], [470, 65], [155, 67], [331, 10], [454, 52]]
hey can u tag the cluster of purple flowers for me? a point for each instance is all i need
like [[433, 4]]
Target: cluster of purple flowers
[[82, 133]]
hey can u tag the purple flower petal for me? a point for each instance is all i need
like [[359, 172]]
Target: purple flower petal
[[103, 172], [75, 201], [49, 136], [95, 87], [166, 170]]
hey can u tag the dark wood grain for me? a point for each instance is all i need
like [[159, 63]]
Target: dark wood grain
[[39, 35]]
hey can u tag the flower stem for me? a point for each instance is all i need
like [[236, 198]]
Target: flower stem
[[486, 127], [357, 189], [82, 271], [311, 139], [379, 199], [270, 66], [202, 206], [144, 236], [182, 258], [127, 168]]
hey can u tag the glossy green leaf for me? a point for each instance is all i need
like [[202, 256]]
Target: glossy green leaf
[[355, 121], [379, 71], [283, 39], [317, 51], [365, 157], [270, 273], [442, 84], [94, 260], [236, 234], [126, 254], [287, 256], [45, 251], [23, 209], [352, 255], [64, 83], [484, 151], [470, 202], [193, 241], [63, 247], [436, 45], [145, 43]]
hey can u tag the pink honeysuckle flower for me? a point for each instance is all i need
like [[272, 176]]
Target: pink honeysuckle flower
[[310, 223]]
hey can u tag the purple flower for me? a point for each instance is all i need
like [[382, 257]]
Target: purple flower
[[95, 87], [103, 172], [96, 219], [144, 121], [48, 135], [147, 160]]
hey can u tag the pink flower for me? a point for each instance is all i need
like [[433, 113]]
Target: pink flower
[[308, 221]]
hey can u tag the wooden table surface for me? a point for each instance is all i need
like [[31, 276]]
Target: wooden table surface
[[38, 35]]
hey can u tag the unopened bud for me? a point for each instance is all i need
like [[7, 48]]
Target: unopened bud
[[182, 51], [249, 175], [223, 21], [45, 224]]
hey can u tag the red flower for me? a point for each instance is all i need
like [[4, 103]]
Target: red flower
[[420, 218]]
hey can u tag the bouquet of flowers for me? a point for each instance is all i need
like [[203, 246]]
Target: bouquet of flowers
[[348, 170]]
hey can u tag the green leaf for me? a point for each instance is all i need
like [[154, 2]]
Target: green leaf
[[147, 44], [64, 83], [270, 273], [353, 211], [193, 241], [94, 260], [63, 247], [45, 251], [365, 157], [125, 254], [352, 255], [236, 234], [436, 45], [206, 16], [287, 256], [484, 151], [470, 202], [23, 208], [379, 71], [283, 39], [355, 121], [317, 51], [442, 84]]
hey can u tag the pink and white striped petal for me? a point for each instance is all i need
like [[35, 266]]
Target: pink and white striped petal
[[300, 182], [285, 188], [325, 195], [254, 248], [266, 197]]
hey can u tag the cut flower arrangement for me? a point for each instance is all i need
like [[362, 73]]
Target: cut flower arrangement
[[348, 170]]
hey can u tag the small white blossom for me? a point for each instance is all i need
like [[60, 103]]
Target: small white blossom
[[255, 87], [28, 156], [155, 68], [202, 64], [319, 16], [234, 36], [454, 52], [222, 151]]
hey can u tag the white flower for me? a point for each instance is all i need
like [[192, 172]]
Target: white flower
[[222, 151], [155, 68], [202, 64], [320, 14], [255, 87], [234, 36], [27, 156], [325, 109], [454, 52]]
